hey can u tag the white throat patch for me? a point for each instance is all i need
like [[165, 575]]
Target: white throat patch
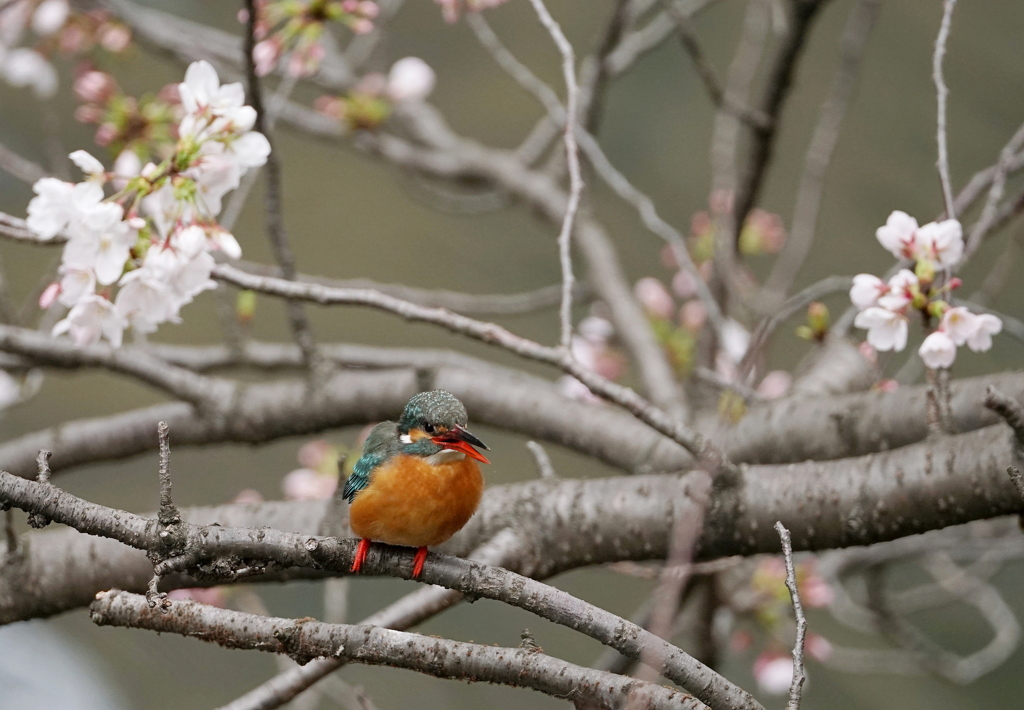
[[445, 456], [405, 439]]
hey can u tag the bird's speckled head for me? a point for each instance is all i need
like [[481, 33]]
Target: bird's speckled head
[[436, 421], [434, 411]]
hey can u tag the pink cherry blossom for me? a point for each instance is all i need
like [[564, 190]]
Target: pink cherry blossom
[[987, 326], [899, 235], [307, 484], [654, 297], [50, 16], [887, 330], [773, 673], [145, 301], [959, 324], [50, 210], [91, 318], [938, 350], [866, 290], [76, 282], [410, 79], [901, 290], [941, 243], [775, 384]]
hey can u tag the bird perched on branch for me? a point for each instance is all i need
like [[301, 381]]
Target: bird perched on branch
[[417, 482]]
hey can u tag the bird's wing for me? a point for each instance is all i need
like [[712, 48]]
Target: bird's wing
[[381, 444]]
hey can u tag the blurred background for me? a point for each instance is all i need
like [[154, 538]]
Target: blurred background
[[351, 216]]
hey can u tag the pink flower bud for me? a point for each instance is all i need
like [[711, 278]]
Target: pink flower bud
[[265, 55], [369, 9], [306, 484], [773, 672], [88, 114], [684, 285], [214, 596], [775, 384], [888, 386], [654, 297], [410, 79], [49, 295], [693, 315], [818, 647], [248, 495], [115, 37], [312, 453], [106, 134], [361, 26]]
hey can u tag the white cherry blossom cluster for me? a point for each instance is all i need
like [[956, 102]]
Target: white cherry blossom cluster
[[885, 307], [134, 258]]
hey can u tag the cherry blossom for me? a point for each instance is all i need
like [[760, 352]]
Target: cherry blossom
[[887, 330], [149, 246], [23, 67], [941, 243], [959, 324], [898, 235], [50, 16], [410, 79], [885, 307], [773, 673], [987, 326], [654, 297], [866, 290], [938, 350], [900, 290], [89, 319]]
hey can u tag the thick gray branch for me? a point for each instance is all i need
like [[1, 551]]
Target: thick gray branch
[[305, 640]]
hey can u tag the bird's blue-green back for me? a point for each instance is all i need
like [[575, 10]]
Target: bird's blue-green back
[[381, 444]]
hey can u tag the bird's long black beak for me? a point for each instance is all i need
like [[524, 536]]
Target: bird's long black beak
[[466, 435], [459, 439]]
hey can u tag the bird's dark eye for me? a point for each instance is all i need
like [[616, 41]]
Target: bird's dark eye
[[429, 428]]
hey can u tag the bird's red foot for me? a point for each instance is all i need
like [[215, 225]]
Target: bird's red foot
[[418, 560], [364, 547]]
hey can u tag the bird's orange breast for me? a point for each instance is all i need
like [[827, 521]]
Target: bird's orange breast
[[412, 502]]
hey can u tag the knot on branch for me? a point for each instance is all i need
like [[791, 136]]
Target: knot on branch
[[38, 520]]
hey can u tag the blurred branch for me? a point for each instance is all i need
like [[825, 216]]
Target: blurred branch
[[572, 158], [19, 166], [299, 322], [712, 84], [941, 92], [465, 303], [701, 448], [794, 253], [778, 83]]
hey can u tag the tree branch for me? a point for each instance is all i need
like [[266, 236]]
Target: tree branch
[[305, 640]]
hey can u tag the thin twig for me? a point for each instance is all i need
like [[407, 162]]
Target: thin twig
[[819, 152], [995, 193], [1009, 409], [297, 318], [797, 684], [707, 453], [941, 92], [600, 162], [572, 156], [540, 456], [707, 74]]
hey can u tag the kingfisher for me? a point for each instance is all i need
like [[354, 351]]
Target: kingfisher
[[417, 482]]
